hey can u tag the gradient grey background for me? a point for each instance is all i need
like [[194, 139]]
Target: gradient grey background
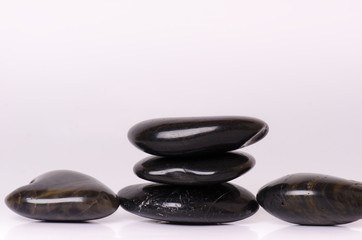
[[76, 75]]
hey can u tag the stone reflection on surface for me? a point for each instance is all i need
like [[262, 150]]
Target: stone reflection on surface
[[153, 230], [320, 233], [60, 231], [313, 199]]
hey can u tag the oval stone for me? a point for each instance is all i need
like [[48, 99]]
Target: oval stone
[[63, 196], [194, 170], [189, 204], [196, 135], [312, 199]]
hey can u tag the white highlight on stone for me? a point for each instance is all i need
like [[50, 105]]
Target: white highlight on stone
[[173, 170], [300, 193], [171, 205], [53, 200], [185, 132]]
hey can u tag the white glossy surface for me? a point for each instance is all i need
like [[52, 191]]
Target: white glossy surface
[[76, 75], [124, 226]]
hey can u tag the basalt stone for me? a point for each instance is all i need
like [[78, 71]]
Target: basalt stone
[[313, 199], [196, 135], [194, 170], [189, 204], [63, 196]]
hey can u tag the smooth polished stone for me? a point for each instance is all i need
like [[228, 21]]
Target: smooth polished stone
[[196, 135], [63, 196], [194, 170], [313, 199], [189, 204]]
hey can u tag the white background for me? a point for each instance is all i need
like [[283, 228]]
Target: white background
[[76, 75]]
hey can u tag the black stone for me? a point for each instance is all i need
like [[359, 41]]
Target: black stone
[[194, 170], [189, 204], [313, 199], [196, 135], [63, 196]]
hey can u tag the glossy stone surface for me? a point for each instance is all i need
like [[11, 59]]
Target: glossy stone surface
[[194, 170], [196, 135], [63, 196], [313, 199], [189, 204]]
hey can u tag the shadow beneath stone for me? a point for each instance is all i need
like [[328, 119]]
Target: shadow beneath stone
[[67, 222], [188, 224]]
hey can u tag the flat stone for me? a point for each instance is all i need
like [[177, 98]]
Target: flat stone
[[194, 170], [189, 204], [196, 135], [63, 196], [313, 199]]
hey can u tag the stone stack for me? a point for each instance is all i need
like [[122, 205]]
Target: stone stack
[[191, 168]]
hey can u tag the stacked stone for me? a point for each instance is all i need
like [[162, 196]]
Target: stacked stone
[[191, 168]]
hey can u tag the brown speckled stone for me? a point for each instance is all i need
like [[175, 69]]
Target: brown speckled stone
[[313, 199], [63, 196]]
